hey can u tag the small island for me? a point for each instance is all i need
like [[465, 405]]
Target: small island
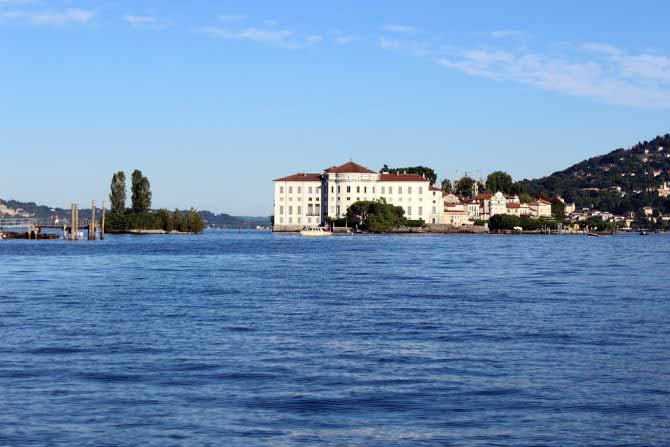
[[140, 218]]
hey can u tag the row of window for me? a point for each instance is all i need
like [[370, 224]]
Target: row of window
[[364, 189], [310, 190], [297, 199], [390, 199], [311, 211]]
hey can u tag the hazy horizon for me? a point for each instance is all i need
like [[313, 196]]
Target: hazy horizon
[[212, 102]]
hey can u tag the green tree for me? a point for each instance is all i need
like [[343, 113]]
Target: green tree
[[558, 209], [464, 187], [117, 196], [165, 220], [504, 222], [446, 186], [524, 197], [376, 216], [499, 181], [427, 172], [141, 192]]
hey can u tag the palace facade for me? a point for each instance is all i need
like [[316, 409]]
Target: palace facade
[[312, 199]]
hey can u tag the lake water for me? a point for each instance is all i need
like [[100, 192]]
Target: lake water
[[254, 339]]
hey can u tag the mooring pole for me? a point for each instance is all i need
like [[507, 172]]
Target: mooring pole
[[74, 222], [91, 224], [102, 223]]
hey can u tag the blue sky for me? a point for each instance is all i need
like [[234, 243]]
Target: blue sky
[[212, 100]]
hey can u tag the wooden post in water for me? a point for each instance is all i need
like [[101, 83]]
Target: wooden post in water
[[91, 223], [102, 223], [74, 222]]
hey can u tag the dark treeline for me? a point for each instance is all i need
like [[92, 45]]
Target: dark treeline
[[140, 216]]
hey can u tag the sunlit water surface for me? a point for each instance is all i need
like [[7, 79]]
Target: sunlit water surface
[[245, 339]]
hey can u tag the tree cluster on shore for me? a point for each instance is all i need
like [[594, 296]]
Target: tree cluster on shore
[[140, 216], [378, 216]]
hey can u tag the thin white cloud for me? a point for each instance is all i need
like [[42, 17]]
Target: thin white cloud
[[395, 28], [594, 70], [147, 22], [64, 17], [140, 20], [586, 78], [232, 18], [281, 38], [342, 38], [507, 34]]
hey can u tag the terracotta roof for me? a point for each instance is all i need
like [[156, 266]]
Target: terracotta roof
[[402, 178], [513, 205], [483, 196], [300, 177], [350, 167]]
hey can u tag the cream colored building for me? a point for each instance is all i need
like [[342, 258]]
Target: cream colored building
[[540, 208], [302, 199]]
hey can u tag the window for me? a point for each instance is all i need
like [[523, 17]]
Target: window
[[299, 219], [281, 190], [290, 220], [281, 220], [399, 189], [383, 190], [299, 212], [409, 190], [290, 210], [290, 199], [420, 190], [332, 190], [390, 189], [309, 220], [281, 210], [420, 211], [310, 190], [349, 198], [358, 199], [409, 210], [299, 189], [434, 210], [348, 188], [290, 189], [338, 189], [318, 190], [338, 210], [365, 189], [373, 190], [358, 189]]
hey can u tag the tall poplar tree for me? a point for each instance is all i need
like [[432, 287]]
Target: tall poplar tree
[[117, 196], [141, 192]]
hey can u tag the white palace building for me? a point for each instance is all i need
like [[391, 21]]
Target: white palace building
[[311, 199]]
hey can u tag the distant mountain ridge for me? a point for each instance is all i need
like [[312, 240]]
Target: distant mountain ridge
[[15, 208], [621, 181]]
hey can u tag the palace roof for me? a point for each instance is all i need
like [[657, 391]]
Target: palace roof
[[483, 196], [349, 168], [300, 177]]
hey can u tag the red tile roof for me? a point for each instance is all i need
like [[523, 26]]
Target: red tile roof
[[513, 205], [349, 168], [300, 177], [483, 196], [402, 178]]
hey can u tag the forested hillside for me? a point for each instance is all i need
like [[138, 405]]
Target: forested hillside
[[620, 181]]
